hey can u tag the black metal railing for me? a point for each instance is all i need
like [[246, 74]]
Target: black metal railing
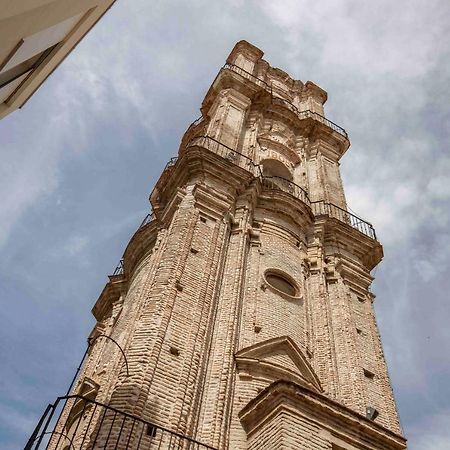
[[248, 75], [327, 122], [119, 268], [225, 152], [195, 123], [282, 184], [308, 114], [78, 423], [329, 209], [172, 161], [147, 219], [281, 101]]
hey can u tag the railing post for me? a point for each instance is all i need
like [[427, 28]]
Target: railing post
[[35, 433]]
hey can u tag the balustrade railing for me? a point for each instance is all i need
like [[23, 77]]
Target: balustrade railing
[[119, 268], [147, 219], [225, 152], [327, 122], [195, 123], [309, 114], [329, 209], [281, 101], [79, 423], [171, 162], [287, 186], [248, 75]]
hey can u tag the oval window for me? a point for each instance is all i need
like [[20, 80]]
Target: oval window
[[281, 283]]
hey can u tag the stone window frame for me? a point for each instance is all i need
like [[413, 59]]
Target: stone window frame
[[288, 278]]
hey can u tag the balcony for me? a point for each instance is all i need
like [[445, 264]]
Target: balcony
[[147, 219], [77, 423], [222, 150], [274, 182], [309, 115], [247, 75], [119, 268], [322, 208], [281, 184], [286, 103]]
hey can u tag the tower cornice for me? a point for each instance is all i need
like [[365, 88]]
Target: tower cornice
[[284, 401]]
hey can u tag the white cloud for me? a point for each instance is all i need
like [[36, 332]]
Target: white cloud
[[433, 433], [375, 38], [75, 245]]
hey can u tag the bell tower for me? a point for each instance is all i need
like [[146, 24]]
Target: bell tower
[[241, 316]]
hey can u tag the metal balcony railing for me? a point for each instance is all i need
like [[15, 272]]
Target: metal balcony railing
[[171, 162], [195, 123], [79, 423], [322, 208], [119, 268], [309, 115], [248, 75], [147, 219], [225, 152], [281, 101], [287, 186]]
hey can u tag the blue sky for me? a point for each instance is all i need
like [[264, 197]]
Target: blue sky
[[79, 160]]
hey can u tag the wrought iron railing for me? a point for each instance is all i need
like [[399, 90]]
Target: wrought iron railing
[[225, 152], [248, 75], [78, 423], [171, 162], [147, 219], [322, 208], [195, 123], [197, 127], [282, 184], [119, 268], [308, 114], [278, 100]]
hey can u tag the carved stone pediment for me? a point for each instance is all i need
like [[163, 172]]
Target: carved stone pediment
[[277, 359]]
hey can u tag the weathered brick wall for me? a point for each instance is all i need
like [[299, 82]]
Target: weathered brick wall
[[265, 310], [286, 431]]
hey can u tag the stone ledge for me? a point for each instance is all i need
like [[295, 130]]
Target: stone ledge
[[291, 400]]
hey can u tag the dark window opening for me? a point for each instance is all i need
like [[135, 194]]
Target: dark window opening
[[281, 283]]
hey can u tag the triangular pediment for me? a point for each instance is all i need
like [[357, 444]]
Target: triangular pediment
[[277, 359]]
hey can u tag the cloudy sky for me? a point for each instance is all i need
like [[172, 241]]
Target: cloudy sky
[[79, 161]]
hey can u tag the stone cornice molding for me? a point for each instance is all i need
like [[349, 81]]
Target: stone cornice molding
[[293, 399], [110, 294], [139, 246], [358, 278], [340, 238], [280, 202], [196, 165], [213, 203], [324, 141]]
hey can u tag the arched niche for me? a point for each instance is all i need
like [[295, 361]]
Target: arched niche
[[275, 168]]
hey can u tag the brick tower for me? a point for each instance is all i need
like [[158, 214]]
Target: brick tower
[[241, 317]]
